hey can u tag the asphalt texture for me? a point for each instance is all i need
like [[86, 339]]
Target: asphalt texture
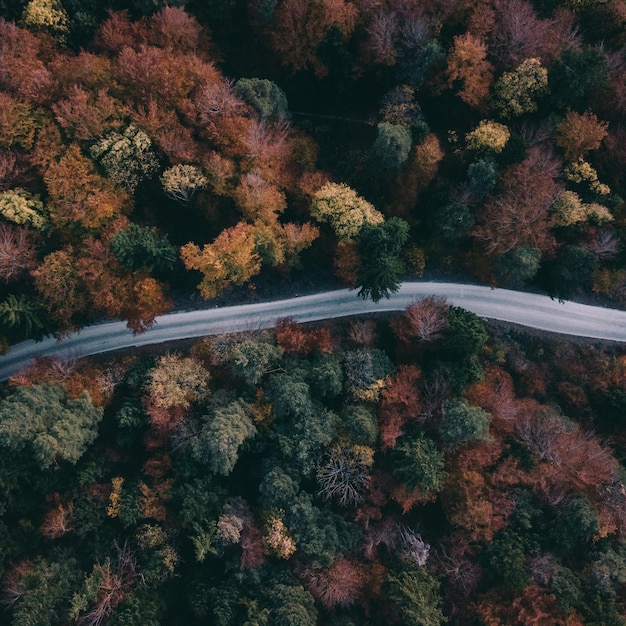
[[526, 309]]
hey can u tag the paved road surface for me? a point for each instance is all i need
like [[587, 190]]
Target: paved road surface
[[527, 309]]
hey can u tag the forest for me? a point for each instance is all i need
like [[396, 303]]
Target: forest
[[424, 468]]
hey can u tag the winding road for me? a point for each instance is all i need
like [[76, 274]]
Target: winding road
[[526, 309]]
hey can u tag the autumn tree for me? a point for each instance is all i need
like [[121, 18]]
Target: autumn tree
[[346, 212], [488, 137], [86, 115], [126, 157], [579, 133], [18, 251], [17, 123], [401, 403], [344, 476], [54, 428], [104, 588], [177, 381], [516, 93], [231, 259], [423, 320], [60, 288], [180, 182], [469, 69], [338, 585], [78, 194], [300, 27], [23, 208], [519, 213]]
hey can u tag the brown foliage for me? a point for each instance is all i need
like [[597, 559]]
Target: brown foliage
[[17, 127], [85, 115], [534, 607], [515, 32], [363, 332], [579, 133], [58, 521], [496, 395], [231, 258], [8, 169], [22, 73], [423, 320], [401, 403], [338, 585], [18, 251], [417, 174], [290, 336], [60, 288], [176, 140], [347, 263], [252, 548], [519, 213], [115, 583], [79, 194], [85, 70], [174, 29], [300, 26], [467, 63]]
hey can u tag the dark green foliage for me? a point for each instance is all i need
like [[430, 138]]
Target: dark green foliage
[[578, 77], [277, 489], [360, 423], [143, 607], [380, 248], [462, 422], [21, 317], [391, 148], [222, 435], [581, 516], [420, 63], [44, 589], [567, 587], [304, 428], [266, 97], [607, 571], [482, 176], [142, 248], [505, 560], [466, 334], [292, 606], [572, 271], [417, 463], [453, 221], [517, 267], [414, 595], [43, 420], [321, 536], [253, 358], [325, 376]]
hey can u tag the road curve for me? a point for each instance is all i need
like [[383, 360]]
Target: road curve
[[526, 309]]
